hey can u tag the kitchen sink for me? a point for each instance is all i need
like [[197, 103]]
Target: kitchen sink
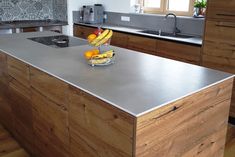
[[165, 34]]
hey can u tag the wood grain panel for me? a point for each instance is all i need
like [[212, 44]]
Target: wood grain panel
[[5, 109], [219, 46], [142, 44], [50, 127], [232, 108], [183, 128], [20, 99], [221, 9], [18, 70], [180, 52], [119, 39], [220, 32], [51, 87], [30, 29], [82, 31], [97, 128]]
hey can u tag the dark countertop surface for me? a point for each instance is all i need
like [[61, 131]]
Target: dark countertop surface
[[136, 83], [31, 23], [195, 40]]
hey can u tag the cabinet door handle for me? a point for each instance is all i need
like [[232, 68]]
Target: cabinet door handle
[[225, 14], [225, 24]]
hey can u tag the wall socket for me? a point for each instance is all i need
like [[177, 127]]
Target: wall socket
[[125, 18]]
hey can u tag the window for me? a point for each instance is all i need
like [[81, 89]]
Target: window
[[179, 7]]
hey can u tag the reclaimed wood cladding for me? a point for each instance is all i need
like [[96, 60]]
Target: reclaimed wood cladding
[[52, 118]]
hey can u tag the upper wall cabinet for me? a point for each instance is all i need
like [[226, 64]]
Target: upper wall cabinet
[[221, 9]]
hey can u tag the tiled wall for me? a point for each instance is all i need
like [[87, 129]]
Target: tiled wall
[[33, 10]]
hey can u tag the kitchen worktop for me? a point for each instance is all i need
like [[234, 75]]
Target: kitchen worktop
[[31, 23], [197, 40], [137, 83]]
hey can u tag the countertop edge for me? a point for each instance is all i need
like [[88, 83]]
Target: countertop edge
[[169, 102], [33, 24]]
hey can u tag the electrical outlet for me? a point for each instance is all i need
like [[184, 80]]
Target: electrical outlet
[[125, 18]]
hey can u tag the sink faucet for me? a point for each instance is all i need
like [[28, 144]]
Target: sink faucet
[[176, 30]]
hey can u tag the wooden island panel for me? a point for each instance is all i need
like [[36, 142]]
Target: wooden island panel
[[20, 100], [97, 128], [50, 114], [193, 126], [6, 117]]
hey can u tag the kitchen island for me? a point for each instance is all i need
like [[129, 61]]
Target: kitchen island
[[55, 104]]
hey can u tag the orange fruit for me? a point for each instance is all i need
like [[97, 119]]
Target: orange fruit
[[88, 54], [91, 37]]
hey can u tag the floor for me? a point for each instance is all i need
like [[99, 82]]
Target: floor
[[230, 145], [9, 147]]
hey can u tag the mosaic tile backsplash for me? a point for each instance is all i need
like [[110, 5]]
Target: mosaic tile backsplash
[[11, 10]]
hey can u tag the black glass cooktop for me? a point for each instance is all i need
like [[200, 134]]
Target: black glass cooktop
[[59, 41]]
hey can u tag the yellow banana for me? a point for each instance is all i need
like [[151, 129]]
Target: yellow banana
[[100, 37], [107, 54], [105, 39], [100, 61]]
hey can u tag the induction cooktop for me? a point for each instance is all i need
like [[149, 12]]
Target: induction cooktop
[[59, 41]]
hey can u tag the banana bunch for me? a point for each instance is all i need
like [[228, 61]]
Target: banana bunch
[[102, 38], [107, 54], [102, 59]]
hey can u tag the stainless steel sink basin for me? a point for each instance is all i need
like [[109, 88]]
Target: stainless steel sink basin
[[165, 34]]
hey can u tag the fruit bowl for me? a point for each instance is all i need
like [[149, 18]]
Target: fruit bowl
[[101, 62], [94, 58], [101, 54]]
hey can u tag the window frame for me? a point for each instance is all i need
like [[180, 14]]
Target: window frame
[[164, 8]]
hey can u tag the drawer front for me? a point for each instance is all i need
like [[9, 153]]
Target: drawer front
[[142, 44], [119, 39], [220, 32], [18, 70], [180, 52], [219, 56], [221, 9], [82, 31], [219, 46]]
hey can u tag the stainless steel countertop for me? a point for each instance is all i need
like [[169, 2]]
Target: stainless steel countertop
[[193, 40], [137, 83]]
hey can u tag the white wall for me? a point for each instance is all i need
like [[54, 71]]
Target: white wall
[[123, 6], [74, 5]]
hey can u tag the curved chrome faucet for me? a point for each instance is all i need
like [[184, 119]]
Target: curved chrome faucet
[[176, 30]]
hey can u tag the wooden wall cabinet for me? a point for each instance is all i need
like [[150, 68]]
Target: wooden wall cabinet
[[221, 9], [168, 49], [219, 39]]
